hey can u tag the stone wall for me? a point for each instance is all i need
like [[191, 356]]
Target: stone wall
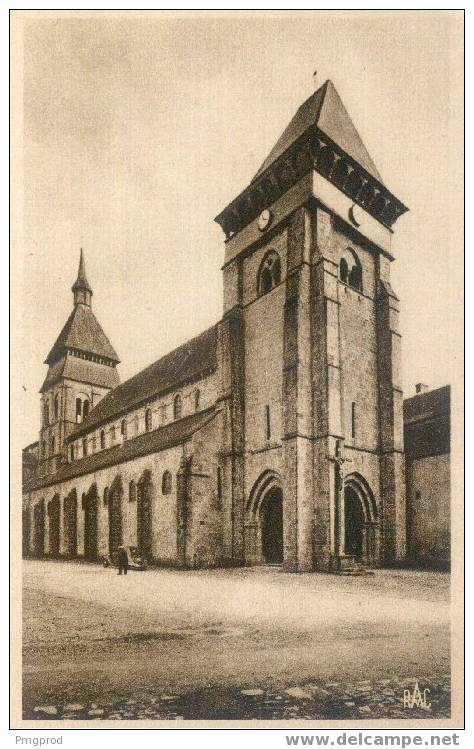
[[428, 508]]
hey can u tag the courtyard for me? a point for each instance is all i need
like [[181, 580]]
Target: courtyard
[[231, 644]]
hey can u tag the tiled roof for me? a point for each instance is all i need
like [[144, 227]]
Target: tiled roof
[[426, 419], [81, 370], [151, 442], [83, 332], [185, 363], [325, 109]]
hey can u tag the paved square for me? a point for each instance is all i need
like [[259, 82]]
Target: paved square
[[246, 643]]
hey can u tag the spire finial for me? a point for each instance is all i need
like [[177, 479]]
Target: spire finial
[[81, 288], [315, 80]]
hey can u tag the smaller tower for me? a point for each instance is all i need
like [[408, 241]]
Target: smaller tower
[[81, 370]]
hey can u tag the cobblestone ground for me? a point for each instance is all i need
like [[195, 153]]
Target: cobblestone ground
[[232, 644], [310, 701]]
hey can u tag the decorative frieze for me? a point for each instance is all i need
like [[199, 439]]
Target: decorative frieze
[[313, 151]]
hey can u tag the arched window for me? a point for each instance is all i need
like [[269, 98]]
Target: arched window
[[166, 483], [46, 413], [84, 447], [132, 491], [148, 417], [177, 406], [343, 270], [112, 433], [52, 445], [106, 496], [197, 399], [85, 409], [269, 274], [78, 410], [123, 428], [56, 406], [102, 439], [350, 269]]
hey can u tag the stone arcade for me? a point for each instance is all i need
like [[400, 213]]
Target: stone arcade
[[276, 436]]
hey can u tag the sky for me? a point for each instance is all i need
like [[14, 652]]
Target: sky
[[138, 129]]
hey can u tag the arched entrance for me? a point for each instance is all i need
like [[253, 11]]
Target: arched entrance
[[144, 516], [264, 521], [271, 512], [38, 529], [54, 515], [91, 512], [360, 520], [115, 515], [70, 523]]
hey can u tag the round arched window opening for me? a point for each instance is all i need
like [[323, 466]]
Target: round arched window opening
[[269, 274], [350, 270]]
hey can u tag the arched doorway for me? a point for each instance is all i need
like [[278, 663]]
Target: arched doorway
[[91, 524], [264, 521], [360, 520], [353, 523], [115, 515], [271, 512], [54, 514], [70, 523], [38, 529], [144, 516]]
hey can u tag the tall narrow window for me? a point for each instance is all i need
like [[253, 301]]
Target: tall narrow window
[[177, 407], [46, 413], [123, 428], [106, 496], [112, 433], [52, 445], [166, 483], [132, 491], [353, 419], [71, 452], [84, 447], [269, 274], [148, 420], [56, 406], [102, 439], [219, 486], [268, 431], [85, 409], [197, 399], [78, 410]]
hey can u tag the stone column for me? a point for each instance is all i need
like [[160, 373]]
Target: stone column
[[231, 365], [182, 509], [392, 462], [297, 405], [327, 395]]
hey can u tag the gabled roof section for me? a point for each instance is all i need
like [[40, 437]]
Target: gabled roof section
[[83, 332], [325, 110], [187, 362]]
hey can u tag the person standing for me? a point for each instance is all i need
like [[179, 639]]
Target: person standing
[[122, 560]]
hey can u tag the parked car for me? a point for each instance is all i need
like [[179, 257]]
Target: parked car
[[135, 561]]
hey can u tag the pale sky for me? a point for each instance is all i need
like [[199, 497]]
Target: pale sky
[[138, 130]]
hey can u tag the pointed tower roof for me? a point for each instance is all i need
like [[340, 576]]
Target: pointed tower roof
[[82, 332], [81, 281], [325, 109]]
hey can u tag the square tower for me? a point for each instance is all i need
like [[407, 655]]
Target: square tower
[[315, 435]]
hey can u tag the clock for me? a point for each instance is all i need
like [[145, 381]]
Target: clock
[[264, 219], [355, 215]]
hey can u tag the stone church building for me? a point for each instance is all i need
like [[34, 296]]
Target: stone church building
[[276, 436]]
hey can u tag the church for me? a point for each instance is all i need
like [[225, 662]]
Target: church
[[275, 436]]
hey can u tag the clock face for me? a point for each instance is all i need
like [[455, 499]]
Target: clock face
[[355, 215], [264, 219]]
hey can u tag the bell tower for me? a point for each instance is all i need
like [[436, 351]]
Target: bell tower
[[309, 307], [82, 368]]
